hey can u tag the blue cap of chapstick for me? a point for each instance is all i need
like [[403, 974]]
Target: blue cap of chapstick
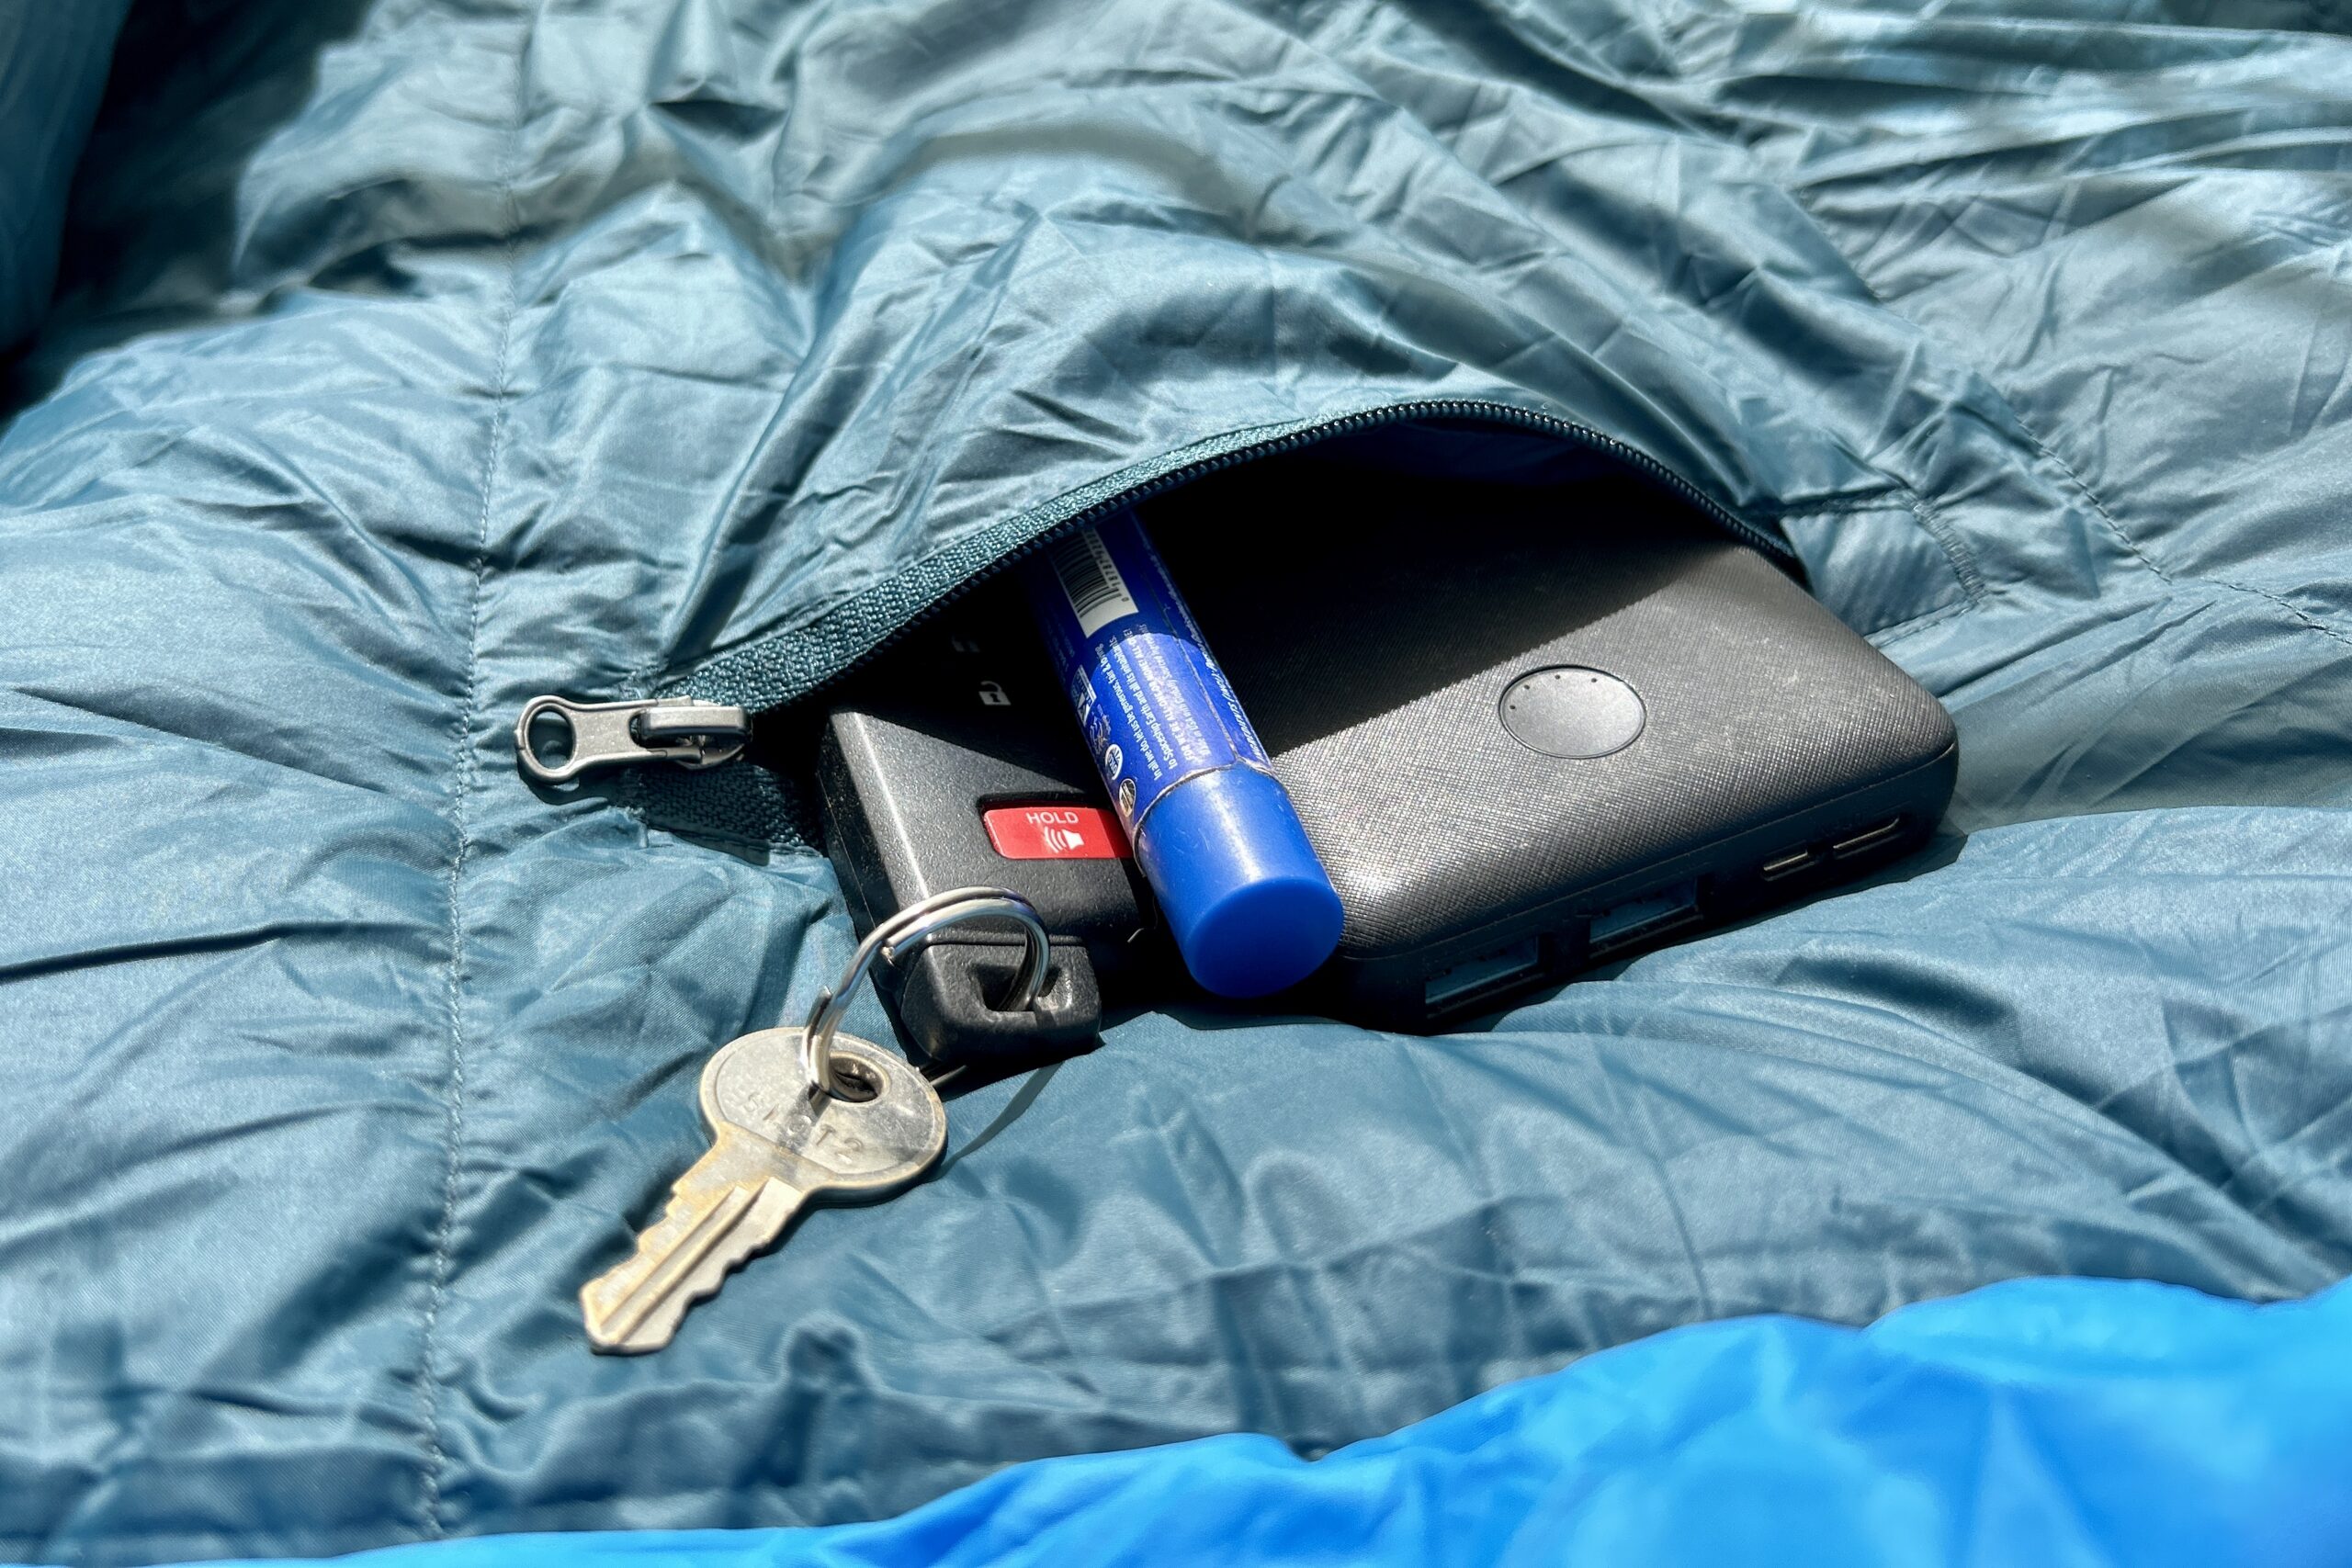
[[1249, 904], [1214, 832]]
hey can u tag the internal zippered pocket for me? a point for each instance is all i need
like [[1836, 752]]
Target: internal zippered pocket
[[711, 716]]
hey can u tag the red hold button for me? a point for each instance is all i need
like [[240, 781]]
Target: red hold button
[[1055, 832]]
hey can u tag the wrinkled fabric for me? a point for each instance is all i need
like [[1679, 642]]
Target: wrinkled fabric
[[415, 357], [2047, 1421]]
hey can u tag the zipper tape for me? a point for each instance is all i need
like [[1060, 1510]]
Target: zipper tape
[[785, 668]]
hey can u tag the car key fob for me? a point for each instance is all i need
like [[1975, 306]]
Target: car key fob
[[952, 762]]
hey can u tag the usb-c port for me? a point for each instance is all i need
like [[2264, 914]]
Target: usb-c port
[[1786, 865], [1867, 840]]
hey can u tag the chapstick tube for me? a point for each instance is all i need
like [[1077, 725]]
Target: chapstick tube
[[1252, 907]]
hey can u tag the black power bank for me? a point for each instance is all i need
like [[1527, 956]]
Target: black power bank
[[1528, 729]]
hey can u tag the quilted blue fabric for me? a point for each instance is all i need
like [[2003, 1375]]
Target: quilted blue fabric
[[411, 358]]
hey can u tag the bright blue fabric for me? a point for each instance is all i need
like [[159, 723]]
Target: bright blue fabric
[[2037, 1422]]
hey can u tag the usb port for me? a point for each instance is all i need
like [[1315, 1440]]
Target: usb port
[[1641, 919], [1867, 840], [1787, 865], [1487, 977]]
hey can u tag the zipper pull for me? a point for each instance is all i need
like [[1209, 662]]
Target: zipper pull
[[685, 730]]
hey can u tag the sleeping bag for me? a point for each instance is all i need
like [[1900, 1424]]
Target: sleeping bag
[[411, 358]]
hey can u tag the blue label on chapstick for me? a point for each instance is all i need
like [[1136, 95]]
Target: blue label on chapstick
[[1241, 888], [1155, 707]]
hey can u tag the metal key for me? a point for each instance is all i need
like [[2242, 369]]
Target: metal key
[[775, 1145]]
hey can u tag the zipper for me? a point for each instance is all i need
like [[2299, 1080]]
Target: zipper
[[685, 730], [699, 734]]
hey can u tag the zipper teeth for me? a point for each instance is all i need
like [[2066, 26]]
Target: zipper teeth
[[1367, 419]]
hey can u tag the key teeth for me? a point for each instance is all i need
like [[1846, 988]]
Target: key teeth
[[766, 1162], [621, 1287], [741, 1223]]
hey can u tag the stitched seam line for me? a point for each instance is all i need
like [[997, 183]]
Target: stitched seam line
[[2292, 609], [1962, 559], [1974, 590], [1850, 506], [2300, 615], [435, 1458], [1887, 636], [1930, 521], [1955, 548]]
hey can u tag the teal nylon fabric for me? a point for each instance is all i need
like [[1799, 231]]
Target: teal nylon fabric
[[411, 358], [52, 64]]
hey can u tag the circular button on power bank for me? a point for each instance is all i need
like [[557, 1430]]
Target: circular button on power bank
[[1571, 711]]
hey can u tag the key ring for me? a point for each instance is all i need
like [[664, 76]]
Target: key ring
[[909, 930]]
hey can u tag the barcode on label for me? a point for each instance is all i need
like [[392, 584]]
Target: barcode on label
[[1090, 579]]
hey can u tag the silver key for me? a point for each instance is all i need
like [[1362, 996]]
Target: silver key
[[775, 1146]]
